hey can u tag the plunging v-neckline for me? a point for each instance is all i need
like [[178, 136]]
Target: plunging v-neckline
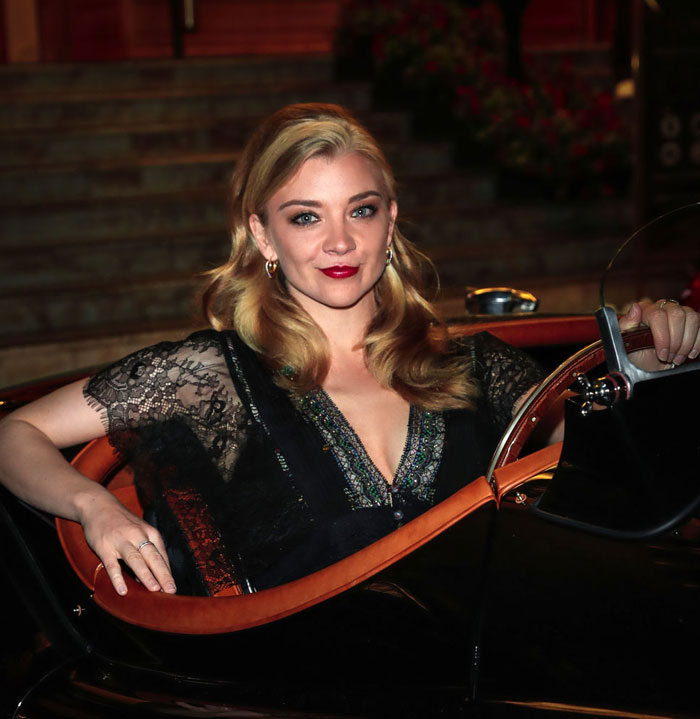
[[362, 450], [417, 466]]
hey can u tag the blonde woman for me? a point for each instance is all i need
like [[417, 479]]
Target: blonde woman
[[324, 409]]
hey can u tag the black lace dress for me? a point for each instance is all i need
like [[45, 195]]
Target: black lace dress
[[251, 489]]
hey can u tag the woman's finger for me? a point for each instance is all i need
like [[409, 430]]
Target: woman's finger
[[656, 318], [675, 319], [154, 536], [689, 338], [136, 561], [156, 561], [695, 351], [114, 572]]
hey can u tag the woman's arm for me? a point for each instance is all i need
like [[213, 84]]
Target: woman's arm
[[33, 468]]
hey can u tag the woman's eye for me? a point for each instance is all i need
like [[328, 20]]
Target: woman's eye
[[364, 211], [304, 218]]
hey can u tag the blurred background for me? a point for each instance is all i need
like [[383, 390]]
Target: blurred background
[[529, 138]]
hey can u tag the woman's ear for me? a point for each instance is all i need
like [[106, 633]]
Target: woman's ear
[[260, 236], [393, 211]]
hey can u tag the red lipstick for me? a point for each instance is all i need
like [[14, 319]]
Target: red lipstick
[[339, 272]]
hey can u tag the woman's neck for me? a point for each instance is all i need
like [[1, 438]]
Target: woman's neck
[[346, 328]]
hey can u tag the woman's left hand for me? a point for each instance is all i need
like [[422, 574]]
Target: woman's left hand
[[675, 329]]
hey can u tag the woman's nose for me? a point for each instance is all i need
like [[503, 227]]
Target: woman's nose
[[339, 239]]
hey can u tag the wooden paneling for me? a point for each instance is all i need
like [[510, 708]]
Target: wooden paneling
[[75, 30], [81, 30], [571, 22], [54, 30], [21, 37], [148, 26], [97, 29], [3, 46], [262, 27]]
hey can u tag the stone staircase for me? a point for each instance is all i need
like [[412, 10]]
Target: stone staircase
[[112, 201]]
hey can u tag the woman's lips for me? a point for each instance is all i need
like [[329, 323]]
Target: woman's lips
[[338, 272]]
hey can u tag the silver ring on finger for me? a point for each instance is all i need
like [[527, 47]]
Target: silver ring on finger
[[143, 544], [664, 302]]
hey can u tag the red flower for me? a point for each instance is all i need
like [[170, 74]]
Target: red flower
[[556, 95], [578, 149], [489, 68], [439, 17], [465, 92]]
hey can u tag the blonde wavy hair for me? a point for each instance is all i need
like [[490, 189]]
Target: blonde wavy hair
[[405, 342]]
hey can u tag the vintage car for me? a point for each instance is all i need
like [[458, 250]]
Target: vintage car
[[564, 583]]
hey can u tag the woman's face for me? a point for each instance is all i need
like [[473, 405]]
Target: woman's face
[[329, 227]]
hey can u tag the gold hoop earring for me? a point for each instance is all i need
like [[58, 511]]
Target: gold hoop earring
[[271, 268], [389, 255]]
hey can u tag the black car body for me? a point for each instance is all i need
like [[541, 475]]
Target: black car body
[[494, 609]]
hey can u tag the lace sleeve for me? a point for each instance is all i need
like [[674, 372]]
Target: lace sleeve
[[185, 380], [504, 373]]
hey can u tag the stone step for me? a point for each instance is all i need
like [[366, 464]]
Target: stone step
[[512, 263], [157, 75], [97, 307], [174, 212], [79, 110], [70, 264], [70, 353], [117, 176], [142, 143], [71, 182], [466, 189], [491, 224], [29, 189], [133, 145]]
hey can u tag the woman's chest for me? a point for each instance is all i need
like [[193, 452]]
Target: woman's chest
[[379, 418], [416, 437]]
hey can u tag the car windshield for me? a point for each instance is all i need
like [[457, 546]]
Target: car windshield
[[659, 260]]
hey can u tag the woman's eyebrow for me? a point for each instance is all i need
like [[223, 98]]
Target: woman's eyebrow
[[304, 203], [363, 195]]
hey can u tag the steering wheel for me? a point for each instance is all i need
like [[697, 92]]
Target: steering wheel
[[543, 399]]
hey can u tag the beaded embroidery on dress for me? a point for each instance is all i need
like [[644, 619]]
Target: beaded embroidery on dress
[[366, 487]]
